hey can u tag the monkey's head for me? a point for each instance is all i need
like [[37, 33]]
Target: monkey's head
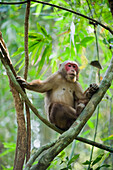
[[69, 70]]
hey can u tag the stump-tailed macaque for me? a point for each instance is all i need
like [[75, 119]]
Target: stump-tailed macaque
[[65, 99]]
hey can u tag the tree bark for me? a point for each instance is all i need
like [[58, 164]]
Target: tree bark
[[21, 132], [66, 138], [28, 142]]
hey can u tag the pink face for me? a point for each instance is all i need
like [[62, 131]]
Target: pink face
[[72, 71], [71, 67]]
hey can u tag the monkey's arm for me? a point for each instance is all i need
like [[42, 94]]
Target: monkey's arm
[[41, 86], [84, 97], [92, 89]]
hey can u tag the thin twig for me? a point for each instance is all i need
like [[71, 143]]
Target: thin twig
[[59, 7], [96, 125], [26, 25]]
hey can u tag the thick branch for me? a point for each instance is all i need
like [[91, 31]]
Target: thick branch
[[44, 120], [71, 134], [21, 132], [52, 126], [25, 98], [43, 148], [36, 154], [66, 138]]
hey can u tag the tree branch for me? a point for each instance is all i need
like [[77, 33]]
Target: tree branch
[[84, 116], [62, 8], [73, 131], [28, 143], [21, 131], [43, 148], [25, 98], [36, 154], [67, 137], [49, 124], [26, 25]]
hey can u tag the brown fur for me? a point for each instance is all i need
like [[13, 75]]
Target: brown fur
[[64, 100]]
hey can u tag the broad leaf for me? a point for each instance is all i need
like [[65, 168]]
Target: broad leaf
[[97, 159], [73, 159], [86, 40]]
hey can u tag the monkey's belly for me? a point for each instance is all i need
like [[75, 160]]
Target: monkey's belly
[[63, 96]]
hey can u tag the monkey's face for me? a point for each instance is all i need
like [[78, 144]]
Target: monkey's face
[[72, 71]]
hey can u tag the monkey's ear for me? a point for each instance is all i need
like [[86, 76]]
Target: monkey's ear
[[78, 70], [60, 65]]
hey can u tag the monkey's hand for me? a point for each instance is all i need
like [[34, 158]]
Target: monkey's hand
[[23, 83], [93, 88]]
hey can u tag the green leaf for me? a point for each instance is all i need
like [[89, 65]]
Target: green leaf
[[85, 132], [41, 63], [62, 154], [48, 51], [6, 152], [46, 7], [21, 66], [108, 138], [19, 61], [97, 159], [90, 124], [42, 29], [86, 162], [86, 40], [39, 50], [33, 45], [110, 40], [34, 52], [105, 41], [73, 159], [38, 9], [9, 145], [105, 165], [20, 50], [48, 17], [64, 3], [36, 36]]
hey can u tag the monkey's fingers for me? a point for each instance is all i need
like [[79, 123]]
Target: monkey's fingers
[[93, 87], [21, 81]]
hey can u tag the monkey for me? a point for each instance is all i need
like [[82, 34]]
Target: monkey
[[64, 96]]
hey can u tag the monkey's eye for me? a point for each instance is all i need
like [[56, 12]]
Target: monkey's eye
[[69, 65], [74, 66]]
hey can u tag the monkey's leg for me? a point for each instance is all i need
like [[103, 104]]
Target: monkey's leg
[[80, 108], [62, 115]]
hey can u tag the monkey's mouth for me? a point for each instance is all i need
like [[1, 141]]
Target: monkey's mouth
[[72, 74]]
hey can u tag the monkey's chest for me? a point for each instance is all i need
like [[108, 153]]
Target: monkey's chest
[[63, 94]]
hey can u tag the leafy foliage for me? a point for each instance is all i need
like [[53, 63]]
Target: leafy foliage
[[56, 35], [98, 159]]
